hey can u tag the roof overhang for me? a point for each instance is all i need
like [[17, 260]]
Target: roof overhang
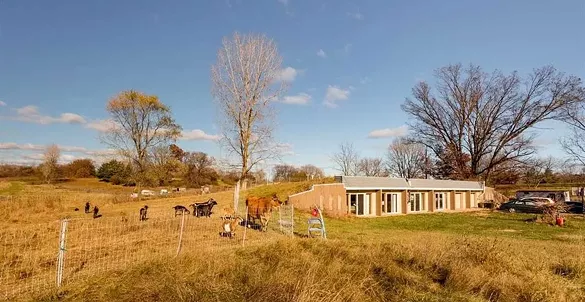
[[411, 189]]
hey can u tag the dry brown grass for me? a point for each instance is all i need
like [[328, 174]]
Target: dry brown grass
[[417, 267]]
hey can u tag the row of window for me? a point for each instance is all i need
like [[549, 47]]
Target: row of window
[[359, 203]]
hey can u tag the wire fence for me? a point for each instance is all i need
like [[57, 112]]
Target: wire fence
[[37, 258]]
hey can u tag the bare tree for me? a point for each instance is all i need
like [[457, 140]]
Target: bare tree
[[244, 87], [538, 170], [372, 166], [284, 172], [142, 122], [487, 117], [405, 158], [312, 172], [49, 167], [573, 144], [346, 159]]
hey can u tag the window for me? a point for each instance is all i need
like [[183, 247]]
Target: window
[[390, 204], [416, 202], [440, 201]]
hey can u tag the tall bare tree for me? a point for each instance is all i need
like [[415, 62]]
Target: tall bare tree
[[142, 122], [487, 116], [49, 167], [312, 172], [405, 158], [346, 159], [573, 143], [244, 85], [372, 166]]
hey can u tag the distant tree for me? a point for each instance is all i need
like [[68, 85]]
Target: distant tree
[[199, 169], [284, 172], [142, 122], [447, 161], [259, 176], [372, 166], [312, 172], [405, 159], [113, 168], [244, 88], [163, 166], [487, 116], [177, 152], [346, 159], [49, 167], [80, 168], [7, 170]]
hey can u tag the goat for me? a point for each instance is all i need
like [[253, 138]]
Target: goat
[[203, 208], [179, 209], [87, 207], [143, 212], [95, 212]]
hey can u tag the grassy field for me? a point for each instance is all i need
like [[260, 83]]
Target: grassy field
[[473, 256]]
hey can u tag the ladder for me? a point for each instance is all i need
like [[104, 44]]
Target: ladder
[[317, 225]]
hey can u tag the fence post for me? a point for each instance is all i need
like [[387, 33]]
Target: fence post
[[61, 256], [245, 227], [280, 218], [181, 234], [292, 220]]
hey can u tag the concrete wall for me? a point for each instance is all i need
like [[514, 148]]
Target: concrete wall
[[330, 198]]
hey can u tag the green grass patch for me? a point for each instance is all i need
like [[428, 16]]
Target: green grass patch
[[477, 224], [13, 188]]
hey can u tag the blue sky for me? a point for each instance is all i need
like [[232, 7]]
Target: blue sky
[[72, 56]]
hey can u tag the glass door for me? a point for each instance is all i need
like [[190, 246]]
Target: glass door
[[391, 204], [440, 201], [416, 202], [359, 204]]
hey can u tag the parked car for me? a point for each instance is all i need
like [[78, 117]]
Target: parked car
[[574, 207], [539, 199], [525, 205], [147, 193]]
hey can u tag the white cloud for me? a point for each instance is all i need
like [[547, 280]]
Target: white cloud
[[365, 80], [287, 74], [283, 2], [24, 157], [15, 146], [2, 104], [389, 132], [321, 53], [357, 16], [299, 99], [198, 134], [101, 125], [334, 94], [75, 149], [31, 114]]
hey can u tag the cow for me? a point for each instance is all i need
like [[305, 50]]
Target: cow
[[260, 208]]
